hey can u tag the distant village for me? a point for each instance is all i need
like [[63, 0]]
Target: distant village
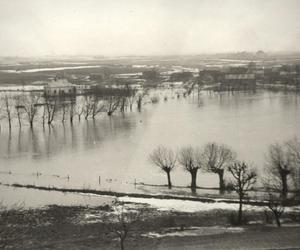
[[246, 77]]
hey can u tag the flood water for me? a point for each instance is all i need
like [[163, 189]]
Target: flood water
[[111, 153]]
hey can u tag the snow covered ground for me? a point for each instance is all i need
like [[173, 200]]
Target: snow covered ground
[[193, 206], [194, 231]]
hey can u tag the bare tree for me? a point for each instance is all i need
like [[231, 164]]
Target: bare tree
[[139, 100], [121, 221], [216, 158], [279, 167], [131, 95], [191, 161], [113, 103], [165, 159], [64, 111], [19, 111], [44, 116], [276, 206], [79, 110], [30, 104], [88, 106], [97, 107], [72, 110], [244, 177], [123, 103], [51, 108], [7, 110]]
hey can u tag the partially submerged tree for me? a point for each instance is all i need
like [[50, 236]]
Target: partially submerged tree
[[131, 95], [72, 110], [165, 159], [139, 100], [244, 177], [64, 110], [51, 105], [279, 167], [19, 111], [98, 106], [113, 103], [7, 111], [216, 157], [79, 111], [191, 161], [87, 106], [30, 104]]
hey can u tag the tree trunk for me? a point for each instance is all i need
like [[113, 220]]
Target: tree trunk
[[169, 180], [277, 219], [284, 185], [19, 120], [240, 215], [221, 180], [194, 179], [122, 244]]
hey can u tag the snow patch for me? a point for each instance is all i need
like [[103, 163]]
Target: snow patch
[[193, 206], [194, 231]]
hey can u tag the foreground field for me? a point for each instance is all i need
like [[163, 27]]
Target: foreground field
[[59, 227]]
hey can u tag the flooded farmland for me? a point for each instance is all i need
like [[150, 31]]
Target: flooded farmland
[[111, 153]]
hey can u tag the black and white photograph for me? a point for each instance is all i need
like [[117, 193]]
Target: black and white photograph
[[150, 125]]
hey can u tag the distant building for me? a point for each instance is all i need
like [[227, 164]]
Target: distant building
[[60, 87], [240, 78], [238, 81], [83, 88]]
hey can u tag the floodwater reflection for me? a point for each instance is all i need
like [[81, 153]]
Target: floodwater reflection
[[115, 149]]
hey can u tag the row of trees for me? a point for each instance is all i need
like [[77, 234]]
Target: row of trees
[[32, 106], [282, 170], [213, 158]]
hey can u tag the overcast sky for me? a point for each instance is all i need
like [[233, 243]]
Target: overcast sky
[[147, 27]]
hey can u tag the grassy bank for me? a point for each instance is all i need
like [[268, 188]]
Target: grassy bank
[[78, 227]]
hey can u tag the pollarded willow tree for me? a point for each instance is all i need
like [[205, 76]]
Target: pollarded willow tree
[[191, 161], [279, 167], [244, 177], [216, 157], [165, 159]]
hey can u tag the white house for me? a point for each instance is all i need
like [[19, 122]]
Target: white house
[[60, 87]]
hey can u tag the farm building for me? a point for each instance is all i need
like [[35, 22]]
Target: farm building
[[60, 87]]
